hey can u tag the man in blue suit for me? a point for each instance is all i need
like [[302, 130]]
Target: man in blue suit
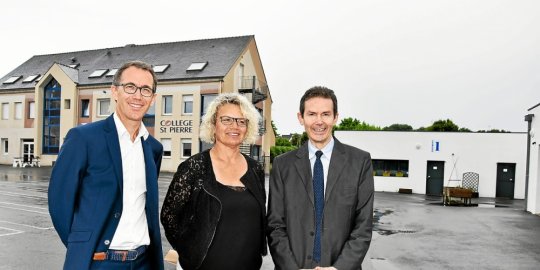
[[103, 193]]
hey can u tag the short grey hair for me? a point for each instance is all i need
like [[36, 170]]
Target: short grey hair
[[208, 124], [138, 64]]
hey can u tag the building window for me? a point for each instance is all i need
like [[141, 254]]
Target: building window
[[205, 101], [85, 108], [167, 105], [149, 118], [98, 73], [166, 147], [187, 101], [51, 118], [5, 111], [31, 110], [160, 68], [197, 66], [5, 146], [103, 106], [18, 110], [389, 167], [186, 148], [67, 104]]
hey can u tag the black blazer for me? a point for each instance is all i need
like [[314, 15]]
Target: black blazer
[[191, 211], [348, 209]]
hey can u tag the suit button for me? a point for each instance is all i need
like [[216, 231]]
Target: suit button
[[309, 257], [106, 242], [311, 233], [116, 215]]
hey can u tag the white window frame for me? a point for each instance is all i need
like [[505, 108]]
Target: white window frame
[[167, 146], [197, 66], [5, 146], [31, 110], [186, 141], [98, 73], [18, 106], [164, 105], [99, 104], [185, 99], [160, 68], [86, 113], [5, 111]]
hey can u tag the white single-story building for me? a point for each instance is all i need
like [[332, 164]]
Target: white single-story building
[[533, 196], [427, 161]]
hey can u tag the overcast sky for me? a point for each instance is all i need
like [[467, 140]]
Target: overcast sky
[[395, 61]]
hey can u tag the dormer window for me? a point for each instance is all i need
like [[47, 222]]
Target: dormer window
[[12, 79], [30, 78], [98, 73], [197, 66], [161, 68]]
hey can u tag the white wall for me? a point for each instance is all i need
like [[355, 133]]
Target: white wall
[[475, 152], [533, 198]]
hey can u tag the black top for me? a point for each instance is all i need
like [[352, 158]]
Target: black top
[[192, 211], [237, 232]]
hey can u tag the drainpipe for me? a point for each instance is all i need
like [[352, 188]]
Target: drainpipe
[[528, 118]]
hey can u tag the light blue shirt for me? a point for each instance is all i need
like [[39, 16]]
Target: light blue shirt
[[325, 158]]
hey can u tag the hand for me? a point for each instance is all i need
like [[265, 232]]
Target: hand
[[325, 268]]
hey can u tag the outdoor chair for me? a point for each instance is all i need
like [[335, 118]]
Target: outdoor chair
[[471, 181]]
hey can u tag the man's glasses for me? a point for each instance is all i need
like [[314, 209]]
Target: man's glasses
[[131, 88], [227, 120]]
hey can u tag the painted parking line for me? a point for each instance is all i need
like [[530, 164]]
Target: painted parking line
[[16, 194], [22, 207], [12, 231], [26, 225]]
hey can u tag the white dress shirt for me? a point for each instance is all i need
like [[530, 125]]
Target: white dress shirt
[[132, 230], [325, 158]]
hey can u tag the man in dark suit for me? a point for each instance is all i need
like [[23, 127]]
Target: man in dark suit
[[320, 207], [103, 193]]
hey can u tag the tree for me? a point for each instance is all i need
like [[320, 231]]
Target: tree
[[398, 127], [280, 141], [443, 125], [297, 139], [349, 123], [464, 129], [274, 128]]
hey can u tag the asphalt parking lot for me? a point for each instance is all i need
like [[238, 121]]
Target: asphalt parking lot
[[410, 231]]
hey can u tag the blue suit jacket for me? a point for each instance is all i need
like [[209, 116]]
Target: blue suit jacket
[[85, 192]]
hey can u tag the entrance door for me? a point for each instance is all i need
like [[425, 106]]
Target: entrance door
[[506, 175], [434, 178], [27, 149]]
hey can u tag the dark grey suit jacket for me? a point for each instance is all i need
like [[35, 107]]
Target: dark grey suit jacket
[[348, 209]]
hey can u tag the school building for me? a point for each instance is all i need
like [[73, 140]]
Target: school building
[[47, 95]]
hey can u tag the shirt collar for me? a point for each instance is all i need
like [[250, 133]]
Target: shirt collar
[[122, 131], [327, 149]]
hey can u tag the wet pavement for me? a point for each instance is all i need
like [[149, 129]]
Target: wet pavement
[[410, 231]]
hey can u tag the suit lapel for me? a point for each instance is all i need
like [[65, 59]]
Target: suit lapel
[[151, 177], [337, 162], [114, 149], [304, 170]]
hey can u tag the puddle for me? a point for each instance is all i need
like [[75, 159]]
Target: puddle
[[479, 205], [390, 232], [377, 214]]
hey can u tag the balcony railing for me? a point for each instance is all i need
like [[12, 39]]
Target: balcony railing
[[253, 89]]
